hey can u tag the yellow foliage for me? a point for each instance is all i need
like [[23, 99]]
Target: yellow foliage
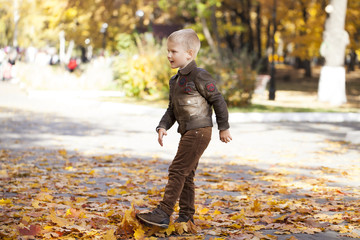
[[112, 192], [110, 235], [61, 222], [44, 197], [35, 203], [257, 206], [203, 211], [62, 152], [217, 212], [5, 201], [139, 233], [170, 229], [110, 213]]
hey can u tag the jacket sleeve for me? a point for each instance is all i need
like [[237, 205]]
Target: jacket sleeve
[[168, 120], [206, 86]]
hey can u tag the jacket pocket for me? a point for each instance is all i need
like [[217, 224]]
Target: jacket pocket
[[187, 107], [188, 101]]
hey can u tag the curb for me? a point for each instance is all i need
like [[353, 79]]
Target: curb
[[294, 117], [316, 117], [74, 94], [353, 137]]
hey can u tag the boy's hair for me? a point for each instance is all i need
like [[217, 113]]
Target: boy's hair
[[188, 38]]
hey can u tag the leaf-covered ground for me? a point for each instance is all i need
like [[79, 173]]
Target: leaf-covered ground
[[57, 194]]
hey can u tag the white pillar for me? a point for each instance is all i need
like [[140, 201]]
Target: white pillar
[[335, 38], [62, 47]]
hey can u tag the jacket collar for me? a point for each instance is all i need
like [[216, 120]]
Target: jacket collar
[[186, 70]]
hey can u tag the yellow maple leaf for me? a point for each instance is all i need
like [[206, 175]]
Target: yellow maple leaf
[[47, 228], [59, 221], [5, 201], [62, 152], [35, 203], [44, 197], [122, 192], [217, 204], [204, 211], [110, 213], [217, 212], [292, 238], [111, 192], [139, 234], [26, 219], [192, 228], [68, 212], [4, 174], [257, 206], [170, 229], [81, 199], [108, 158], [110, 235], [35, 185], [238, 216]]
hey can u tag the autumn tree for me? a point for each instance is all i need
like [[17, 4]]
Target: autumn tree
[[353, 29]]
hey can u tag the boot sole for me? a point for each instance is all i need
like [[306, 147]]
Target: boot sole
[[153, 223]]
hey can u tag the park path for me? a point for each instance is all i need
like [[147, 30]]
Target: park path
[[62, 121], [90, 127]]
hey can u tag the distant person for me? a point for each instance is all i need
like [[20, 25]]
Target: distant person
[[72, 64], [192, 95], [54, 59], [9, 68]]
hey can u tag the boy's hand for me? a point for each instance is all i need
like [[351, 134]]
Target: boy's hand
[[161, 133], [225, 136]]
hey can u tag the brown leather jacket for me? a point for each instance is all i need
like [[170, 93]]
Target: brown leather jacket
[[192, 95]]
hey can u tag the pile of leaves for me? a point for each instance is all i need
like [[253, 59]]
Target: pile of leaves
[[56, 194]]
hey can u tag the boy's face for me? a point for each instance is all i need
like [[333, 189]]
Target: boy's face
[[178, 56]]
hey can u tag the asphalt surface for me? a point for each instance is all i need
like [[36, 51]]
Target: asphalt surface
[[93, 127]]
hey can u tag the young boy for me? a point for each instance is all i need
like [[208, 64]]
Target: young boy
[[192, 95]]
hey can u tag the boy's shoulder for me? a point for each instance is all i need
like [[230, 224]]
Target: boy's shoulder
[[173, 78], [202, 74]]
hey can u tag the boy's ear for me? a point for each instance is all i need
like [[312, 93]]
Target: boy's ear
[[191, 53]]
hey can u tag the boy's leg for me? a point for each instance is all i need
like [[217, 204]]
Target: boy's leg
[[187, 197], [192, 145]]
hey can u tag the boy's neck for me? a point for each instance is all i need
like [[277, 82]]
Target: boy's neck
[[186, 64]]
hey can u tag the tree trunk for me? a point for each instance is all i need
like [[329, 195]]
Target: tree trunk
[[306, 63], [258, 31], [335, 38], [206, 31], [307, 67], [250, 43], [268, 35], [214, 26], [352, 61]]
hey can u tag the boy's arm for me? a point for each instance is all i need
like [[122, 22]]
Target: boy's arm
[[225, 136], [161, 133], [207, 88], [165, 123], [168, 119]]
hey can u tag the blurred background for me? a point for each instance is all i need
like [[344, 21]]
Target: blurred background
[[265, 54]]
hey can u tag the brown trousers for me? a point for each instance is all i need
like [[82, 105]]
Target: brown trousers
[[182, 171]]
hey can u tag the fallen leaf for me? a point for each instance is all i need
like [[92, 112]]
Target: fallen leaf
[[33, 230]]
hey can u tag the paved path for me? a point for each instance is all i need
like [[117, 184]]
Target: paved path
[[105, 127], [94, 127]]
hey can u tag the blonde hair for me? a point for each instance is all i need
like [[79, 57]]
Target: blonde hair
[[188, 38]]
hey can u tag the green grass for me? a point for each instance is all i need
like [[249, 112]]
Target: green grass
[[247, 109], [268, 108]]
